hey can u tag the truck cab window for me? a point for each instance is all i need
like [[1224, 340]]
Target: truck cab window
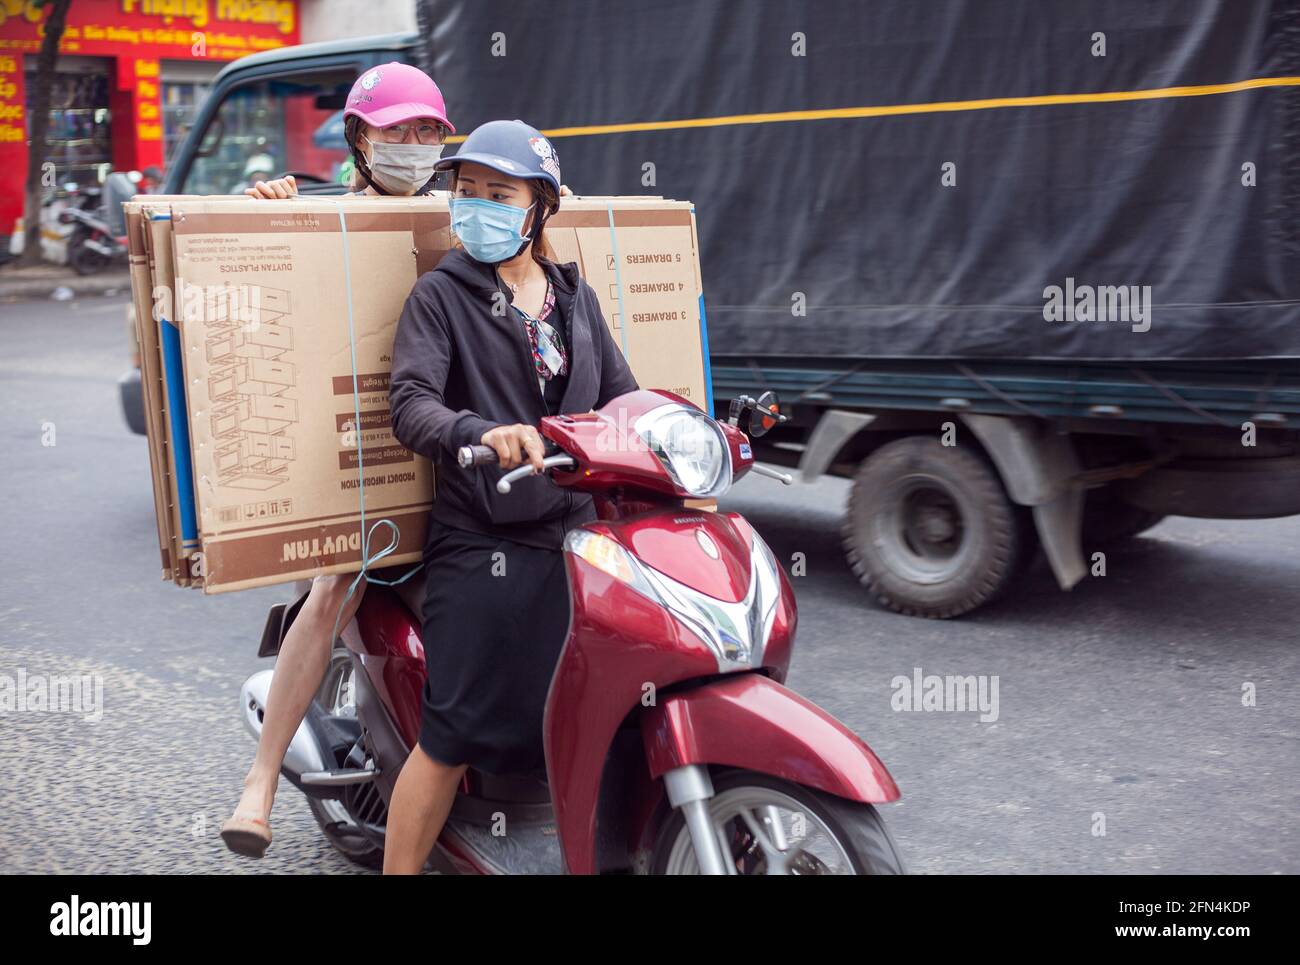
[[274, 126]]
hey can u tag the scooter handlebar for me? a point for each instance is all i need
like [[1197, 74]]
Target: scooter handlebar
[[471, 456]]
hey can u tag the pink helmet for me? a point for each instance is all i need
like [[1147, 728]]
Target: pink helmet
[[393, 93]]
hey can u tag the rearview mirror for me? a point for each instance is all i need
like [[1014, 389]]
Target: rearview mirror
[[766, 414]]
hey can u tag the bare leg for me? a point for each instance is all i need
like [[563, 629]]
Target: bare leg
[[299, 668], [421, 802]]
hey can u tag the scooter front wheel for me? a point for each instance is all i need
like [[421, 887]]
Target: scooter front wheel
[[773, 826]]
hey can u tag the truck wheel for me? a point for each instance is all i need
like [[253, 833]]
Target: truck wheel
[[1107, 519], [930, 531]]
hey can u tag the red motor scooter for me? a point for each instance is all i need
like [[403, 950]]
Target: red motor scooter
[[672, 746]]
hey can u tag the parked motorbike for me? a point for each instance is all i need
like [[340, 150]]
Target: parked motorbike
[[672, 745], [98, 237], [55, 231]]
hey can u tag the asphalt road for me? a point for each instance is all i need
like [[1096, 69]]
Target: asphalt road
[[1118, 702]]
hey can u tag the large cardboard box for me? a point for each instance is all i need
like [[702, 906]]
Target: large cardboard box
[[142, 307], [267, 349], [641, 258]]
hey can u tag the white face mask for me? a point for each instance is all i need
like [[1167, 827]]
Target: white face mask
[[402, 168]]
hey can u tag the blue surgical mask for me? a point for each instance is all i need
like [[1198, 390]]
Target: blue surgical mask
[[490, 231]]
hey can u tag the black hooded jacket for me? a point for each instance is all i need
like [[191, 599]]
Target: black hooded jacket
[[460, 370]]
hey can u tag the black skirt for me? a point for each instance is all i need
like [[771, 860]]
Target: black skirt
[[496, 614]]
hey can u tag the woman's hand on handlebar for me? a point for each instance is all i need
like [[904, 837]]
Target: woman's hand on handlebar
[[285, 187], [516, 445]]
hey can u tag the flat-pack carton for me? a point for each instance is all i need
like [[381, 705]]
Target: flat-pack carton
[[266, 351]]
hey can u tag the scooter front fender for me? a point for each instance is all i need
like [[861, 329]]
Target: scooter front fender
[[751, 722]]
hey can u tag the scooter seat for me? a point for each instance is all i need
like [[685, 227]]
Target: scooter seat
[[412, 594]]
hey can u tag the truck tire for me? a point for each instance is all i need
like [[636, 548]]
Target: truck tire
[[930, 530]]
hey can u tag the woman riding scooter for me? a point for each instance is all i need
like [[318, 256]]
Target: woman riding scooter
[[496, 337], [395, 123]]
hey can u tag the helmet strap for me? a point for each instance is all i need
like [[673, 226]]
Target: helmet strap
[[539, 219], [542, 214], [359, 161]]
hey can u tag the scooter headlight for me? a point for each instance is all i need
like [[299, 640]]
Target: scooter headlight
[[690, 446]]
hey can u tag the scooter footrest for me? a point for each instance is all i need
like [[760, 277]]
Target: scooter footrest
[[521, 850]]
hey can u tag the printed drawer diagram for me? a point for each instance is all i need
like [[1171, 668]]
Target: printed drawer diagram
[[248, 384]]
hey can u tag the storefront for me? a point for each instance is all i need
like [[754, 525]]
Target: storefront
[[129, 77]]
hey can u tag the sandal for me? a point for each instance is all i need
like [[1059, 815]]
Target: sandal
[[248, 836]]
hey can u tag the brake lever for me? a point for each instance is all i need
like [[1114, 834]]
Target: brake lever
[[563, 460]]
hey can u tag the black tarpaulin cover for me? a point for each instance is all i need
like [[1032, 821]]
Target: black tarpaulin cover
[[851, 215]]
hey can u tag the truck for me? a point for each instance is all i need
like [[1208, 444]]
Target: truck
[[1027, 274]]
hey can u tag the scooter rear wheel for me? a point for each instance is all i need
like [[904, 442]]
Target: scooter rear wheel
[[82, 259], [774, 826], [342, 820]]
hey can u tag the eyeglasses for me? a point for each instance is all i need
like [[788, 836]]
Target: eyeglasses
[[424, 133]]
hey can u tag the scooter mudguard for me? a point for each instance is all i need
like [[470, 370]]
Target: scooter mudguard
[[749, 721]]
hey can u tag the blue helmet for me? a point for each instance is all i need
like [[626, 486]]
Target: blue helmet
[[511, 147]]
